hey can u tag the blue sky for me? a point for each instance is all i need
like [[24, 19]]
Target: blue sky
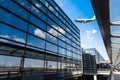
[[90, 33]]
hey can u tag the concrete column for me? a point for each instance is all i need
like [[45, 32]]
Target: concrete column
[[95, 77]]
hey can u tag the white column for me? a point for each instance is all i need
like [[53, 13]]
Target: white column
[[95, 77]]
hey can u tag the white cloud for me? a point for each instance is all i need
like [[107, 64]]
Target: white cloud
[[19, 39], [39, 33], [88, 31], [14, 38], [4, 36], [54, 32], [38, 5], [59, 29], [89, 35], [82, 45], [94, 31]]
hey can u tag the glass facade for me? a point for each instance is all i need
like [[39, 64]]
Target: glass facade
[[36, 36], [89, 64]]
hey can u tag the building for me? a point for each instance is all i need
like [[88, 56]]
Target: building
[[98, 56], [89, 63], [38, 41]]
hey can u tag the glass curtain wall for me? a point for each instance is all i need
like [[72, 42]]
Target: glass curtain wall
[[37, 36]]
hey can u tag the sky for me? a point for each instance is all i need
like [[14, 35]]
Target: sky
[[90, 33]]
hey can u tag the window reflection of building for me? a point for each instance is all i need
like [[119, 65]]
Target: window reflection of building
[[38, 36]]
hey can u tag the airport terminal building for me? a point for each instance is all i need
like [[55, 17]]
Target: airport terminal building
[[38, 41]]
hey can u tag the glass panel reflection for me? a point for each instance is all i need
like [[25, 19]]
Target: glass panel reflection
[[9, 63]]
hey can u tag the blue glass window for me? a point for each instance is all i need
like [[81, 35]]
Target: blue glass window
[[36, 42], [37, 32], [38, 22], [51, 47], [51, 38], [12, 34], [8, 4], [13, 20]]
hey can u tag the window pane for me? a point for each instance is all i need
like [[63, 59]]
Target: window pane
[[37, 32], [33, 64], [36, 42], [51, 47], [52, 65], [9, 63], [62, 44], [13, 20], [62, 51], [52, 31], [69, 53], [15, 8], [11, 33], [37, 12], [38, 22], [51, 38]]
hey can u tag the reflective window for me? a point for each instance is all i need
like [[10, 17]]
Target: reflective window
[[62, 31], [68, 35], [13, 20], [51, 38], [9, 63], [33, 64], [69, 47], [52, 9], [43, 1], [34, 54], [52, 31], [69, 41], [69, 53], [62, 51], [51, 47], [62, 19], [52, 65], [62, 25], [53, 4], [63, 65], [59, 65], [53, 24], [37, 32], [38, 22], [36, 42], [24, 3], [38, 13], [61, 43], [11, 33], [15, 8], [62, 37], [52, 16]]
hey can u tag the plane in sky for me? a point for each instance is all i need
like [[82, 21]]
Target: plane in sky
[[86, 20]]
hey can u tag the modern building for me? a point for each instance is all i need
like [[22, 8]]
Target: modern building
[[89, 63], [98, 56], [37, 41]]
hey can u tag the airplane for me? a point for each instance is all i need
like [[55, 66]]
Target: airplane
[[86, 20]]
